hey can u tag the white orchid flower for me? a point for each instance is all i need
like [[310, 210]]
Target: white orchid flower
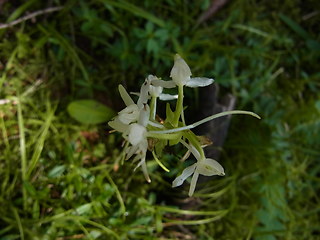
[[132, 122], [206, 167], [156, 90], [131, 113], [181, 76], [203, 166]]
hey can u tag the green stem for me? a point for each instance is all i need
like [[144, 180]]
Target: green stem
[[179, 106], [164, 136], [153, 108], [159, 162]]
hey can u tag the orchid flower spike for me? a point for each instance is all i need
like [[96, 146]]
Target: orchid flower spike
[[181, 76]]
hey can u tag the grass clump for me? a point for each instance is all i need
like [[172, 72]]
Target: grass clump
[[60, 178]]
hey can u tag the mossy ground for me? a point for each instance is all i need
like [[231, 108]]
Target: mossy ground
[[58, 177]]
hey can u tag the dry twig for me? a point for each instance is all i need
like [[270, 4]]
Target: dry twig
[[29, 16]]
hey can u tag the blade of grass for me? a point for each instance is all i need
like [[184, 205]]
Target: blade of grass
[[135, 10], [121, 202], [23, 155], [18, 220], [170, 222], [67, 47], [4, 132], [40, 143], [294, 26], [9, 64], [84, 230], [190, 212], [20, 10]]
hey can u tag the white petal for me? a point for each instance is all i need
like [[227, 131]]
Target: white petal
[[167, 97], [192, 149], [125, 96], [145, 171], [135, 93], [180, 72], [193, 183], [184, 175], [144, 115], [144, 168], [210, 167], [199, 82], [162, 83], [129, 114], [155, 91], [195, 152], [143, 146], [137, 133], [144, 94], [130, 151], [117, 125]]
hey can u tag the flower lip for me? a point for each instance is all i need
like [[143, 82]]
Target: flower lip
[[210, 167], [137, 133], [187, 172]]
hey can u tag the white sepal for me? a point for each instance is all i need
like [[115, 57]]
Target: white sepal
[[180, 73], [164, 84], [125, 96], [117, 125], [199, 82], [144, 94], [167, 97]]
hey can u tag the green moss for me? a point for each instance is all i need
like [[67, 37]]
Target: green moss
[[59, 178]]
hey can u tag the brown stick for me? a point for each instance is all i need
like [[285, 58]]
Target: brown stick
[[29, 16], [214, 7]]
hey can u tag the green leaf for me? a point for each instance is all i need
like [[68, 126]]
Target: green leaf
[[84, 209], [90, 111], [57, 171], [169, 114], [313, 45], [29, 188], [294, 26]]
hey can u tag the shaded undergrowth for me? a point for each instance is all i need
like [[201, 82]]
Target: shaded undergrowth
[[59, 178]]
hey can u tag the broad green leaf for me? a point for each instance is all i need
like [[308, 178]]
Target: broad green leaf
[[90, 111]]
